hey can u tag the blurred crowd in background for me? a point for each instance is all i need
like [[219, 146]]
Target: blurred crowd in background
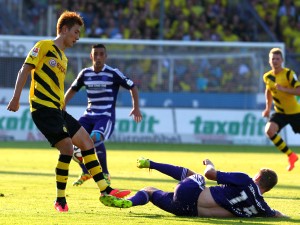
[[204, 20], [186, 20]]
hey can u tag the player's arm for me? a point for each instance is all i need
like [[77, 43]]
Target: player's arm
[[23, 74], [279, 214], [269, 101], [75, 87], [137, 116], [292, 91], [210, 171], [294, 88], [68, 96]]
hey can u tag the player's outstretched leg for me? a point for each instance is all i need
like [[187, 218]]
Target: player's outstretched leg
[[93, 166], [140, 198], [177, 172], [84, 176], [112, 201]]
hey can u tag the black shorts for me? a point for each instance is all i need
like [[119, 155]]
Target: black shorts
[[284, 119], [55, 124]]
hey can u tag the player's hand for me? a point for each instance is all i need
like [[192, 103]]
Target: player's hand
[[266, 113], [13, 105], [209, 172], [207, 162], [279, 87], [137, 115], [279, 214]]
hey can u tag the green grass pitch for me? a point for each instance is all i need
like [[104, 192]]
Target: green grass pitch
[[27, 183]]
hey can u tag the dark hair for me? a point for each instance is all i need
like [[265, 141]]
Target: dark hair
[[69, 19], [99, 46], [268, 179]]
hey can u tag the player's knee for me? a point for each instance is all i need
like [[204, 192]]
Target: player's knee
[[97, 138], [149, 190], [270, 130], [269, 133], [267, 130]]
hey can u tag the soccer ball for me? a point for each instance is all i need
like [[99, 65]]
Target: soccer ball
[[77, 156]]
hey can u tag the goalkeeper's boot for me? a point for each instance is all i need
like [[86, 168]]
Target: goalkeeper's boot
[[143, 163], [61, 206], [293, 158], [112, 201], [81, 179], [107, 178]]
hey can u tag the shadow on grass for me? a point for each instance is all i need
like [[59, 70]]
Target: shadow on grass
[[197, 220], [209, 183]]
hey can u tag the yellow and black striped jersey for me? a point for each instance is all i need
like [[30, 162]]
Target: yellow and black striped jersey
[[283, 102], [47, 78]]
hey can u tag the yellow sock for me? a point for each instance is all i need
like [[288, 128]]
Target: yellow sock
[[281, 145], [94, 168], [62, 173]]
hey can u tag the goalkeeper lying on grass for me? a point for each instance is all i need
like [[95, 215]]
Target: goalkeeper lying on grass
[[236, 195]]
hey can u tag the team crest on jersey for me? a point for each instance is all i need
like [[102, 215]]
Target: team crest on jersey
[[52, 62], [35, 52], [65, 129]]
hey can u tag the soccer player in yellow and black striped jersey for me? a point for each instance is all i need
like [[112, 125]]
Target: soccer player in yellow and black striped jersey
[[282, 86], [47, 64]]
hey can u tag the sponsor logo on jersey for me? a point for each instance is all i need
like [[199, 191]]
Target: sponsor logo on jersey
[[96, 86], [61, 68]]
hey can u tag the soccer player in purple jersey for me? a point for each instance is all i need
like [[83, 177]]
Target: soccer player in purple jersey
[[102, 84], [237, 195]]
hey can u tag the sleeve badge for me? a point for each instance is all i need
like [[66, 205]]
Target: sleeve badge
[[35, 52]]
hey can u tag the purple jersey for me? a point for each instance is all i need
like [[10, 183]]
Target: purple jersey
[[240, 195], [102, 89]]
